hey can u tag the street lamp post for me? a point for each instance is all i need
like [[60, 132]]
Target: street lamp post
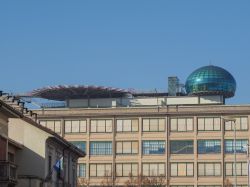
[[248, 165], [247, 149], [230, 119]]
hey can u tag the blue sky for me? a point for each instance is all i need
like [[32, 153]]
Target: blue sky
[[124, 44]]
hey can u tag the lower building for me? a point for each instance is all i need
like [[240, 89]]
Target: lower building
[[32, 155]]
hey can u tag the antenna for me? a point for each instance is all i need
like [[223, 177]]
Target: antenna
[[210, 62]]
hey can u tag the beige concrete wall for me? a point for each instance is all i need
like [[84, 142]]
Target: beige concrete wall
[[3, 124], [31, 160], [166, 112]]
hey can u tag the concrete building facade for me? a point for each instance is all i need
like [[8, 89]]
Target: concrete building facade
[[190, 139]]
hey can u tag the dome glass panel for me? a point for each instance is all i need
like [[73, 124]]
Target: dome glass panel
[[211, 80]]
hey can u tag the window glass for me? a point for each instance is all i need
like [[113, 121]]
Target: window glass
[[209, 124], [153, 169], [75, 126], [181, 147], [58, 126], [241, 124], [240, 146], [153, 147], [100, 148], [54, 125], [101, 126], [80, 145], [209, 146], [173, 123], [209, 169], [127, 147], [127, 125], [182, 169], [83, 126], [81, 170], [135, 125], [119, 125], [153, 125]]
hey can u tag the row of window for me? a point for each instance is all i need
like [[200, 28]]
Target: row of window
[[244, 185], [148, 125], [150, 147], [185, 169]]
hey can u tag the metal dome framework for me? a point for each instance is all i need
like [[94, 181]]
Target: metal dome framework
[[211, 80]]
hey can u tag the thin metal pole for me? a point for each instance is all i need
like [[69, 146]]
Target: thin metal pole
[[248, 165], [235, 174]]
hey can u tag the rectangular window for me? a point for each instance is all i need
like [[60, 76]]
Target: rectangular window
[[54, 125], [153, 125], [127, 147], [240, 146], [181, 146], [100, 148], [153, 147], [210, 185], [209, 124], [75, 126], [181, 124], [209, 146], [241, 168], [153, 169], [241, 124], [126, 169], [209, 169], [80, 145], [100, 170], [97, 126], [179, 169], [81, 170], [127, 125]]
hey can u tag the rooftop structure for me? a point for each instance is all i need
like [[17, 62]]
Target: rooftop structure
[[211, 80], [66, 92]]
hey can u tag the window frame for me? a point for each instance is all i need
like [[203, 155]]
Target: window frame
[[204, 140], [204, 121], [170, 144], [232, 146], [231, 124], [158, 144], [177, 163], [151, 163], [84, 170], [205, 163], [96, 173], [131, 153], [79, 120], [131, 167], [177, 124], [98, 120], [131, 119], [110, 148], [54, 125], [232, 172], [158, 125], [75, 143]]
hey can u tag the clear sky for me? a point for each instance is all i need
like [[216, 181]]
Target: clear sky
[[121, 43]]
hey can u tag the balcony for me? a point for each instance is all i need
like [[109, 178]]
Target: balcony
[[8, 172]]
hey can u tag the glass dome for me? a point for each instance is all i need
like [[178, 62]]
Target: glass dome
[[211, 80]]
